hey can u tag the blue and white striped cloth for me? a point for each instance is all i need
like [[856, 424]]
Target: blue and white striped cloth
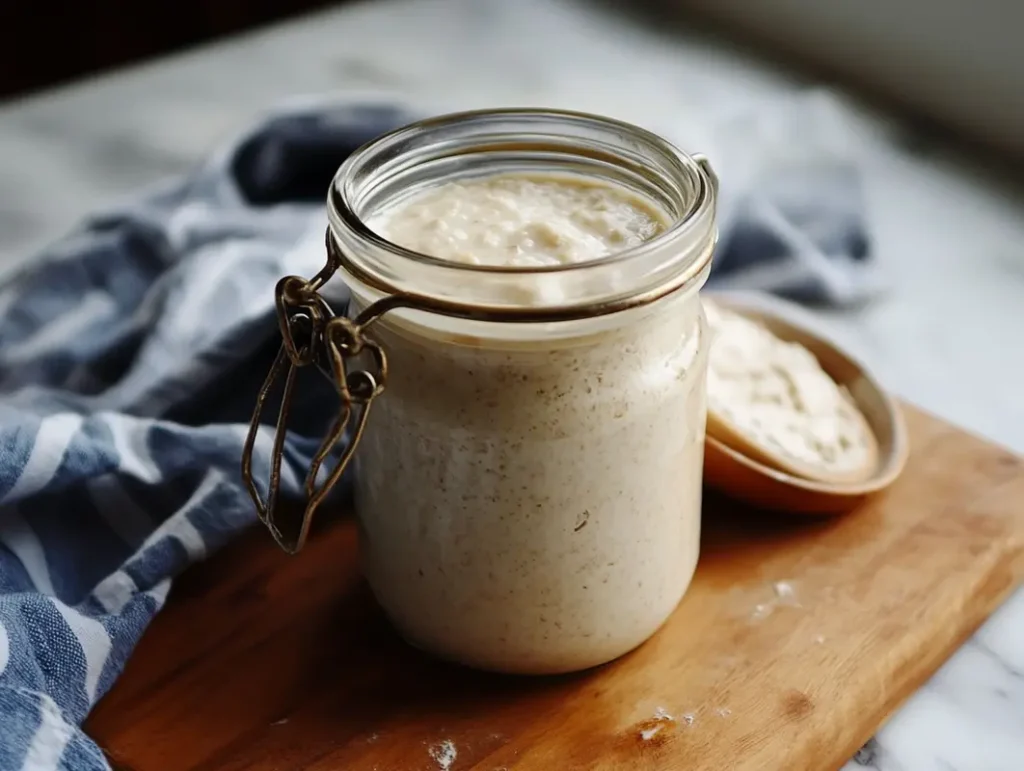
[[130, 354]]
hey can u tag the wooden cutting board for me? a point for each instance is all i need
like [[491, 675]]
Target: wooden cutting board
[[798, 637]]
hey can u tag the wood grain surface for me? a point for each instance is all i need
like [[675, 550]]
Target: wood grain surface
[[262, 661]]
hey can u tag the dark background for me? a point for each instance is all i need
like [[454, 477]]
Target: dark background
[[47, 42]]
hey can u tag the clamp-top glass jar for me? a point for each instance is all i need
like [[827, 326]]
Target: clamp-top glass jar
[[528, 485]]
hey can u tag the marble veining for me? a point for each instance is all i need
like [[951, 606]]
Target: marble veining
[[949, 236]]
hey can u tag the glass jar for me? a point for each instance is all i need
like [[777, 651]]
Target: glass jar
[[528, 482]]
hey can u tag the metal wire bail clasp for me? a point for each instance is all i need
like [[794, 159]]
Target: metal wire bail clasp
[[312, 334]]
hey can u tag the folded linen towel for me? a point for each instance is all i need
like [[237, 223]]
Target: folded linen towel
[[130, 355]]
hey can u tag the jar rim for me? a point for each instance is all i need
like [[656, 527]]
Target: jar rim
[[341, 213], [481, 143]]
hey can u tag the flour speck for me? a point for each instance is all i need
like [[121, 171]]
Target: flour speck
[[689, 719], [784, 593], [723, 712], [444, 754], [819, 639], [649, 733], [651, 727]]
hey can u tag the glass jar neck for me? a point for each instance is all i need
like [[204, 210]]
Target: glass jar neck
[[485, 143]]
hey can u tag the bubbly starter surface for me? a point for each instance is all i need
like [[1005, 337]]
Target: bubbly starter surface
[[527, 508], [520, 221]]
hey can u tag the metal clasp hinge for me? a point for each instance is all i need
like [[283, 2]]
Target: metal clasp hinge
[[312, 334]]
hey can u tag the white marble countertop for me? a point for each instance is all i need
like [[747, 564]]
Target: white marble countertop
[[949, 238]]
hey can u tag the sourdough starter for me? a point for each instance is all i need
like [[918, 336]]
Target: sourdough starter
[[521, 221], [529, 505]]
